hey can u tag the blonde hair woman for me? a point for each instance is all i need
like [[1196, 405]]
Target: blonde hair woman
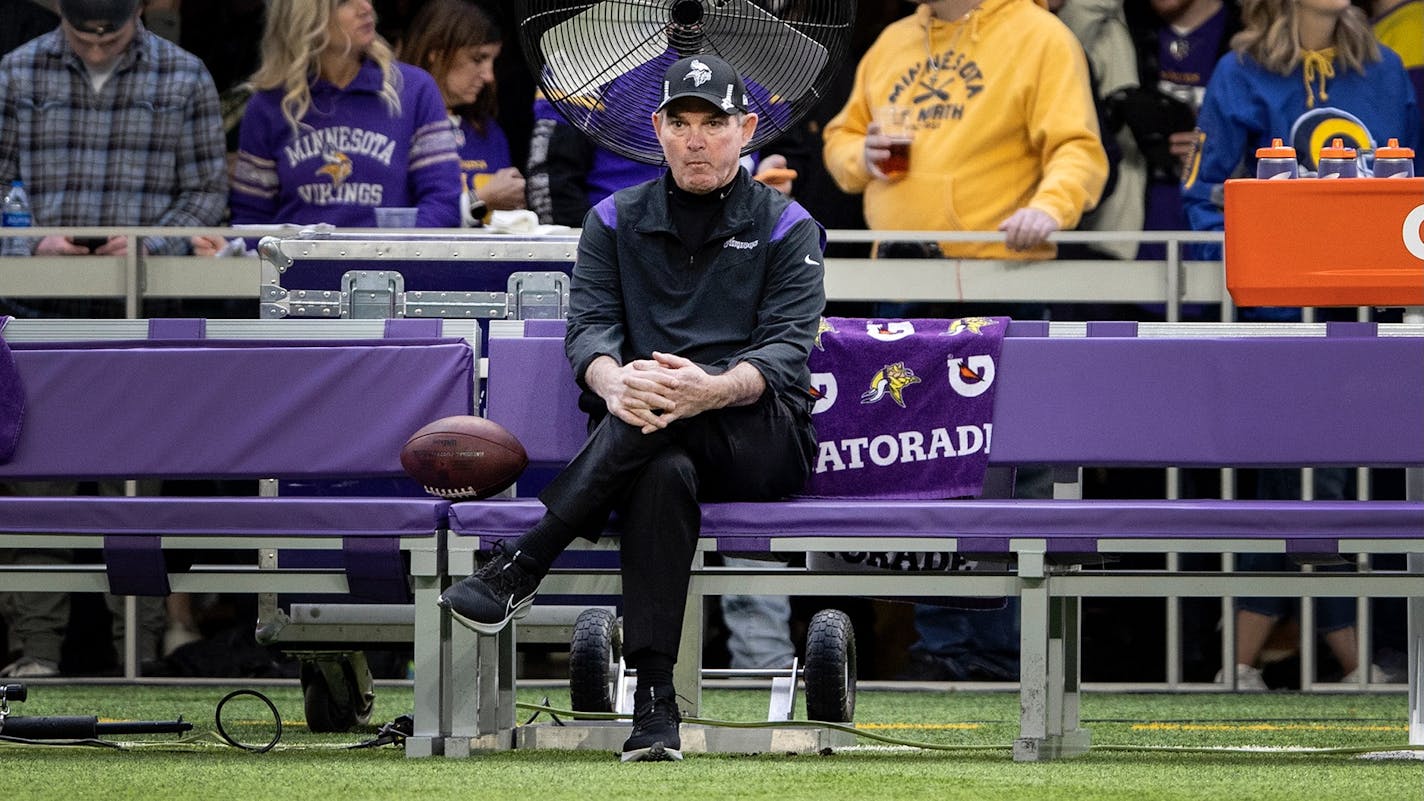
[[1308, 72], [338, 127]]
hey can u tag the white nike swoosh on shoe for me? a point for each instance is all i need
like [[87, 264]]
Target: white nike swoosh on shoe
[[513, 611]]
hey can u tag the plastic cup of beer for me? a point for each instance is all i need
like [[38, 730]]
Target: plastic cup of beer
[[897, 123]]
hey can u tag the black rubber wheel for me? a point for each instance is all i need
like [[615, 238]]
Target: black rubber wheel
[[337, 692], [594, 651], [829, 672]]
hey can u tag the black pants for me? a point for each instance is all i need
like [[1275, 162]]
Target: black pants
[[655, 481]]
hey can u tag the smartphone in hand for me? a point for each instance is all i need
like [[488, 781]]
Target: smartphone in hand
[[91, 242]]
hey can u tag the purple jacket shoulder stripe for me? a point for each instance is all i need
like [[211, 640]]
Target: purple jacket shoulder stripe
[[607, 211], [792, 214]]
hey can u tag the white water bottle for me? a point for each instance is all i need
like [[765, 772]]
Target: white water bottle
[[15, 213]]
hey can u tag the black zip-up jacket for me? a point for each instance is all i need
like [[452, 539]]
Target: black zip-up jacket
[[753, 292]]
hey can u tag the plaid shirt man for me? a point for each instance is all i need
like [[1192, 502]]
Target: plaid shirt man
[[147, 149]]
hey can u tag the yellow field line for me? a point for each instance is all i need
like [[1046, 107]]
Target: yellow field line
[[1266, 727]]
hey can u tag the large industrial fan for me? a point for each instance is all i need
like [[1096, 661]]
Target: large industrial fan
[[601, 64]]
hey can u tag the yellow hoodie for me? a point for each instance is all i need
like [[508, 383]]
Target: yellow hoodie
[[1005, 119]]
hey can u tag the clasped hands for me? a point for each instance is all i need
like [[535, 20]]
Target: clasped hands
[[652, 393]]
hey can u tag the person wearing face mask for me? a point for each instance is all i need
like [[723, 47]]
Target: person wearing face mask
[[458, 42]]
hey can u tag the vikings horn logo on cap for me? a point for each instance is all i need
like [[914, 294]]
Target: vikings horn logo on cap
[[706, 77]]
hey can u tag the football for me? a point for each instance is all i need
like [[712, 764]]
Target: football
[[463, 457]]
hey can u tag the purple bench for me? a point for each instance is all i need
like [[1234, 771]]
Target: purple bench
[[1106, 394], [184, 399]]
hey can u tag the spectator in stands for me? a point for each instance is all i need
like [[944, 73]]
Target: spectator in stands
[[107, 124], [161, 163], [1178, 44], [1399, 25], [695, 302], [1340, 81], [1296, 70], [457, 42], [1006, 135], [1101, 28], [338, 127], [1006, 138]]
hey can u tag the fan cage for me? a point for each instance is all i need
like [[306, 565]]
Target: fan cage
[[600, 65]]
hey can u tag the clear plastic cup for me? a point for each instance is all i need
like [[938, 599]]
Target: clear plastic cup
[[898, 123], [395, 216]]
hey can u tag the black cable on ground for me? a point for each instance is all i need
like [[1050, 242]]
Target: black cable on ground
[[230, 740]]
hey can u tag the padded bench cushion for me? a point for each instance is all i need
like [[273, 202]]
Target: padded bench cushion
[[986, 526], [133, 529], [299, 517]]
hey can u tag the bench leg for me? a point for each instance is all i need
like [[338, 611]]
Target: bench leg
[[1414, 491], [482, 691], [1049, 675], [1416, 657], [432, 671], [687, 673]]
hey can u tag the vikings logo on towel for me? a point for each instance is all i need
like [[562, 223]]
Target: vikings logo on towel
[[904, 408]]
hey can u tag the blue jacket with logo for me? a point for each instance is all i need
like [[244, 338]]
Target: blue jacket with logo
[[752, 292]]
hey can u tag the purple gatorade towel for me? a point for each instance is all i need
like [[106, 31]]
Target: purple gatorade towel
[[12, 398], [905, 408]]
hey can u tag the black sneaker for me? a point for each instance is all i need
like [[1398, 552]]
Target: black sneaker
[[500, 591], [655, 735]]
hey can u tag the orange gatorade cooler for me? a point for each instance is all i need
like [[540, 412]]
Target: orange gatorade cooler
[[1344, 242]]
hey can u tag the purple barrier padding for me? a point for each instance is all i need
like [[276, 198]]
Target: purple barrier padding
[[1351, 329], [545, 328], [375, 570], [177, 328], [531, 392], [1244, 402], [1110, 401], [1315, 545], [232, 409], [1112, 328], [135, 565], [1028, 328], [413, 328], [1085, 520], [295, 517], [985, 525]]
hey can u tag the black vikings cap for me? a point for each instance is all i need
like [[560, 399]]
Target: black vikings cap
[[707, 77], [97, 16]]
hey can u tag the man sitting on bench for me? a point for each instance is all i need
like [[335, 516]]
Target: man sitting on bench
[[694, 304]]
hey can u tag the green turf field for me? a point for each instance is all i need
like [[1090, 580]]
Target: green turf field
[[1231, 747]]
